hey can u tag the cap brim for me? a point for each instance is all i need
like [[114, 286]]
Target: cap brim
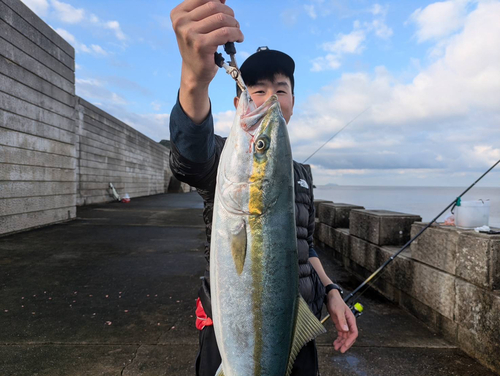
[[267, 61]]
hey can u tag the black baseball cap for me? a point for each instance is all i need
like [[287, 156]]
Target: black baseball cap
[[265, 64]]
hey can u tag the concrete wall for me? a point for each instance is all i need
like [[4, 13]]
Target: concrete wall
[[37, 128], [57, 150], [449, 278], [111, 151]]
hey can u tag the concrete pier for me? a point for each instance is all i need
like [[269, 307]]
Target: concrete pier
[[113, 293]]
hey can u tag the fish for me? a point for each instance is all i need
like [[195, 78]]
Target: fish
[[260, 320]]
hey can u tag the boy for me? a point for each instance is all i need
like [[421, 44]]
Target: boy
[[201, 26]]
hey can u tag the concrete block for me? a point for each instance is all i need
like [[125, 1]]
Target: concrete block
[[336, 215], [434, 288], [368, 255], [437, 246], [25, 141], [11, 206], [478, 310], [338, 239], [32, 127], [25, 221], [477, 259], [478, 316], [382, 227], [318, 202], [35, 36], [14, 37], [11, 189], [30, 111], [439, 323], [30, 173], [18, 73], [34, 158], [428, 285], [23, 59], [484, 350], [30, 17], [29, 95]]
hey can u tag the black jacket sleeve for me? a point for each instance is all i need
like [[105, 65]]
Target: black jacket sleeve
[[195, 150]]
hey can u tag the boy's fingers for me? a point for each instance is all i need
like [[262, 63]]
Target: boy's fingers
[[221, 36], [189, 5], [215, 22], [209, 9]]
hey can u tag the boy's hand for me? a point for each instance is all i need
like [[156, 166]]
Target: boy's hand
[[344, 321], [201, 26]]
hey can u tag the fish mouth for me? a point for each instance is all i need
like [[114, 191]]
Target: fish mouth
[[251, 120]]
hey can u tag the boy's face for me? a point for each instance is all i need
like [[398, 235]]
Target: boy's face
[[264, 89]]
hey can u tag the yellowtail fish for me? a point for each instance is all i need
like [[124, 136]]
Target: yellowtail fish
[[260, 320]]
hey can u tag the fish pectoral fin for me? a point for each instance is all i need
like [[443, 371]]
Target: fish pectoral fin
[[239, 247], [307, 328], [219, 372]]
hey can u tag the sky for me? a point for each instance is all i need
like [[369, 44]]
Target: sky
[[420, 78]]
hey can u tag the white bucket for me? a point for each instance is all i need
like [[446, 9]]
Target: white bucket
[[472, 214]]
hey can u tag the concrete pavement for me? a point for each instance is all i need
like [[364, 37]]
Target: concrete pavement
[[113, 293]]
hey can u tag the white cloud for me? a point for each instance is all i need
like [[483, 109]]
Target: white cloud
[[67, 13], [439, 19], [351, 43], [115, 26], [154, 126], [346, 43], [98, 50], [40, 7], [328, 62], [95, 90], [156, 106], [446, 119], [81, 47], [70, 38], [290, 17], [311, 11], [223, 122], [354, 42], [381, 29], [378, 10]]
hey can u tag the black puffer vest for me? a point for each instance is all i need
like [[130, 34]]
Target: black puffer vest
[[202, 176]]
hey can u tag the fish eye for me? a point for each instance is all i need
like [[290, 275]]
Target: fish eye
[[262, 144]]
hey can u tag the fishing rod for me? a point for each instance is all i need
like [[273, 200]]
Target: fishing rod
[[357, 308], [331, 138]]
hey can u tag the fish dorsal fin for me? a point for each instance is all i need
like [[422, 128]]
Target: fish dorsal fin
[[307, 328], [219, 372], [239, 247]]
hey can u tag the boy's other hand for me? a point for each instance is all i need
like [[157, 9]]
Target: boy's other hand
[[344, 321]]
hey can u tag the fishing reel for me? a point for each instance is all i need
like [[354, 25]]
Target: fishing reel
[[356, 309]]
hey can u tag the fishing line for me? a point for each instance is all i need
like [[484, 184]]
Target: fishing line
[[331, 138], [377, 274]]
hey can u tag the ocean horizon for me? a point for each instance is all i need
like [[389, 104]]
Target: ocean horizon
[[427, 202]]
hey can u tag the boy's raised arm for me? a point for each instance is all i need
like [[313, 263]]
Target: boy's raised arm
[[200, 27]]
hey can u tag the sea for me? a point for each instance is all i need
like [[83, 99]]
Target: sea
[[427, 202]]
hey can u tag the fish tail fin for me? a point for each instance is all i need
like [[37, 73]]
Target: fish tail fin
[[307, 328], [219, 372]]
